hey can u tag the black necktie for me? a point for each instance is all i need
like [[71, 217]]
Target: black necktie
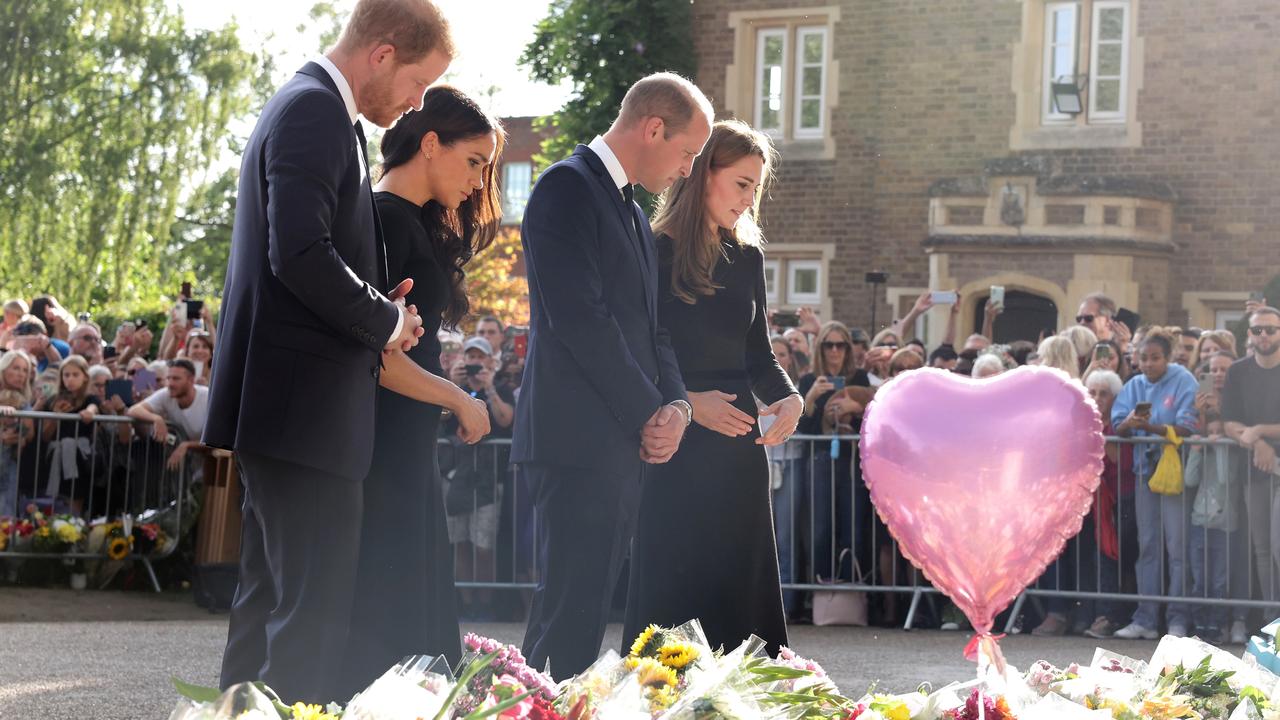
[[628, 199]]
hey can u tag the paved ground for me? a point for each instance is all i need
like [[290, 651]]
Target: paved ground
[[108, 655]]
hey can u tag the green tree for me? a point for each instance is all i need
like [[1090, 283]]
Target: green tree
[[603, 46], [112, 114]]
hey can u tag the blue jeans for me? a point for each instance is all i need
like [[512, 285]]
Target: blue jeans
[[790, 517], [1207, 555], [1162, 534]]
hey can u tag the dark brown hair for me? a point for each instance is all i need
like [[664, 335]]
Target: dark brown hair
[[682, 214], [462, 233]]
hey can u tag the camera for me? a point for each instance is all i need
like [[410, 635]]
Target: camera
[[84, 317], [473, 370], [786, 319]]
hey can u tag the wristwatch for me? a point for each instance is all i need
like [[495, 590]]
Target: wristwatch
[[685, 408]]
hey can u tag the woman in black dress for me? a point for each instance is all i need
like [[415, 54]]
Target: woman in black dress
[[704, 544], [438, 206]]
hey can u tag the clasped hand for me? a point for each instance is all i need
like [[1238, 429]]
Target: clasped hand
[[661, 435], [411, 329]]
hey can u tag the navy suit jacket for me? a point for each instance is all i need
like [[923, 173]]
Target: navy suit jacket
[[599, 366], [303, 322]]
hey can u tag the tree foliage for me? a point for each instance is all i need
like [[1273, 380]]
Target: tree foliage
[[603, 46], [112, 113], [494, 284]]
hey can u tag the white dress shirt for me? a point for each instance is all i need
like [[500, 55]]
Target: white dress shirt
[[349, 100], [602, 149]]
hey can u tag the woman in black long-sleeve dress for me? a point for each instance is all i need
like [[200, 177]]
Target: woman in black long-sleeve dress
[[704, 545], [438, 206]]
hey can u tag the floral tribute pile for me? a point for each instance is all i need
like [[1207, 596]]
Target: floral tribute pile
[[672, 674], [41, 531]]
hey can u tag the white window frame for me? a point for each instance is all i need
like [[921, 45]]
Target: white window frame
[[1096, 115], [800, 66], [524, 192], [1222, 319], [771, 293], [761, 35], [1050, 12], [797, 298]]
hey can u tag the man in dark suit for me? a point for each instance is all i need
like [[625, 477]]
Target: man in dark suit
[[304, 334], [602, 392]]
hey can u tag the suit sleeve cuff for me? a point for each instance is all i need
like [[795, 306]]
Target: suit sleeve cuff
[[399, 326]]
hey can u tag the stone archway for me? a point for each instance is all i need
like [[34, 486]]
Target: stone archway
[[1016, 285]]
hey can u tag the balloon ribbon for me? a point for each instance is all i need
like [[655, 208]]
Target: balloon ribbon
[[984, 649]]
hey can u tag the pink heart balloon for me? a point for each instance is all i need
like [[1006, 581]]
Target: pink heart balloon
[[982, 482]]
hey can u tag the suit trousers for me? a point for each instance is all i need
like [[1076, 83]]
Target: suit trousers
[[585, 521], [298, 555]]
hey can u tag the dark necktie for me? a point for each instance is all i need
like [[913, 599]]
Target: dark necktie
[[628, 199]]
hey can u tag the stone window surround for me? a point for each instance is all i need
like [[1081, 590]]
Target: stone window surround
[[824, 253], [740, 75], [1029, 131]]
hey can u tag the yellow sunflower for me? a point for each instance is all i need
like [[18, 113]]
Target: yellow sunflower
[[118, 549], [661, 698], [300, 711], [642, 640], [653, 674], [677, 655]]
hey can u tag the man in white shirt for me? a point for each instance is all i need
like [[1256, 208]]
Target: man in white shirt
[[181, 403]]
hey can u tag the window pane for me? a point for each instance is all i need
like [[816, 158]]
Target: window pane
[[1064, 26], [813, 48], [804, 281], [1109, 60], [773, 50], [769, 117], [1108, 96], [770, 280], [774, 88], [1063, 62], [810, 113], [812, 84], [1111, 24]]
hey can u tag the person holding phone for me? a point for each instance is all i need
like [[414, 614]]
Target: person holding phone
[[711, 299], [1162, 396]]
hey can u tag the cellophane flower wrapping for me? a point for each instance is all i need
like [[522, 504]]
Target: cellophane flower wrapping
[[414, 688]]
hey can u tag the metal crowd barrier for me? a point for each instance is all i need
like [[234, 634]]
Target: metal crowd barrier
[[830, 538], [97, 471]]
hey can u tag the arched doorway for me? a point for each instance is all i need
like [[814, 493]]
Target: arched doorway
[[1026, 315]]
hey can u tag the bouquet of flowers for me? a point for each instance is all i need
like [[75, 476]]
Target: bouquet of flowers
[[416, 687], [16, 531], [492, 674], [56, 535]]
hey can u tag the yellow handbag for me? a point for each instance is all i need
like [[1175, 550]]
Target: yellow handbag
[[1167, 479]]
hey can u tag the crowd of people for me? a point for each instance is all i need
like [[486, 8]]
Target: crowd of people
[[55, 362]]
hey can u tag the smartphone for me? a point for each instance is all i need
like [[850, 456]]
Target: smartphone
[[1102, 351], [144, 381], [1256, 296], [194, 307], [997, 296], [1206, 386], [520, 346], [473, 370], [943, 297], [1142, 408], [199, 365], [786, 319], [122, 389], [108, 352], [1129, 318], [837, 382]]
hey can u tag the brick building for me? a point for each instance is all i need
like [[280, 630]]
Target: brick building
[[939, 141]]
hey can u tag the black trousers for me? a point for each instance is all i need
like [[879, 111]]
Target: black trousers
[[298, 555], [585, 520]]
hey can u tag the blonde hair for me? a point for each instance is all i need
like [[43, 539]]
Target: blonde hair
[[80, 363], [18, 306], [880, 336], [904, 359], [1224, 339], [1059, 352], [664, 95], [682, 214], [1082, 338], [7, 359], [414, 28]]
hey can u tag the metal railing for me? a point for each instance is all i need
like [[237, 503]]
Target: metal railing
[[98, 471]]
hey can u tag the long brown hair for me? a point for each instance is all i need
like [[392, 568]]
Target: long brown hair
[[847, 369], [682, 212], [78, 397], [462, 233]]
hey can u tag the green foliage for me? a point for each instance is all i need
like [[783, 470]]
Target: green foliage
[[111, 112], [603, 46]]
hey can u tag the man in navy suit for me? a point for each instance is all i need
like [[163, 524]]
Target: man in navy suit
[[602, 393], [305, 337]]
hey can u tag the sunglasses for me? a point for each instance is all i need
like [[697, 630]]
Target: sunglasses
[[1084, 319], [834, 345], [1268, 330]]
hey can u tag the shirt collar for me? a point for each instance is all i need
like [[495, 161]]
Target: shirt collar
[[602, 149], [344, 88]]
